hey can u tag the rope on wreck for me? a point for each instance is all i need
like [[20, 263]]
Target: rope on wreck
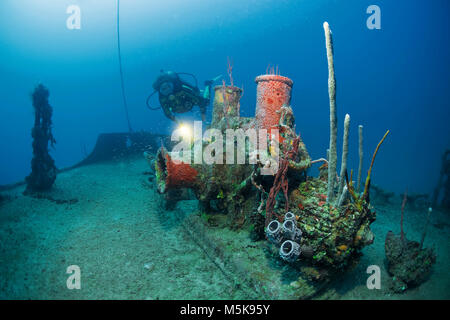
[[121, 72]]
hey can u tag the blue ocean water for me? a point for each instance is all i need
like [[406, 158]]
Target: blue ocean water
[[393, 78]]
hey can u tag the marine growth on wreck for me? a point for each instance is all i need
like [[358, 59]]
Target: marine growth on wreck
[[319, 229]]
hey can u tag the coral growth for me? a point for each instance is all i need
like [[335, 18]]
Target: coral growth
[[332, 236], [294, 211], [226, 105], [229, 185], [43, 169], [336, 234], [408, 264]]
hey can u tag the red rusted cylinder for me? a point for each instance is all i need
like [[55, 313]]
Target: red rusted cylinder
[[272, 92], [173, 174]]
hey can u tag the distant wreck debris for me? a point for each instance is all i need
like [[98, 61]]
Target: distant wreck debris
[[43, 169], [409, 263], [117, 145], [2, 199], [443, 185], [418, 200], [381, 195]]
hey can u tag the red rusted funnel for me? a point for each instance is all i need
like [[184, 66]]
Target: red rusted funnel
[[173, 174]]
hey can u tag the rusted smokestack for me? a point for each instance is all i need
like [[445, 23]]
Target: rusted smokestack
[[272, 92], [226, 103]]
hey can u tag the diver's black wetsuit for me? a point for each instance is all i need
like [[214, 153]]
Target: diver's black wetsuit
[[178, 96]]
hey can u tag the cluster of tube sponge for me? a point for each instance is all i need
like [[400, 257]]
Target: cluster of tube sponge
[[287, 235]]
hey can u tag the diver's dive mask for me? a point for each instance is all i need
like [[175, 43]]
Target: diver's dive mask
[[166, 88]]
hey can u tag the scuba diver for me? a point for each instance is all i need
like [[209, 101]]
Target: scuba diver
[[179, 96]]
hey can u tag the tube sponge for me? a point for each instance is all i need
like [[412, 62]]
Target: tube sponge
[[333, 118], [361, 154], [344, 155]]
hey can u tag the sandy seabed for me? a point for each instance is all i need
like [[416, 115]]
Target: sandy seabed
[[128, 247]]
